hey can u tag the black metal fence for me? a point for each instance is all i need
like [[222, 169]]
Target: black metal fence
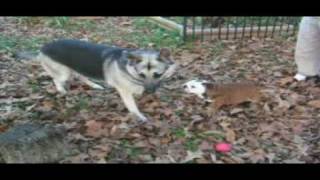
[[234, 27]]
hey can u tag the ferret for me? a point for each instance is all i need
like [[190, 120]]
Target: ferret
[[224, 94]]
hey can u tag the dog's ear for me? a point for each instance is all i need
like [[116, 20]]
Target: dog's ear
[[204, 81], [165, 55], [207, 84]]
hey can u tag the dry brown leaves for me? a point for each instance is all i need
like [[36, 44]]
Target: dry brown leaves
[[180, 130]]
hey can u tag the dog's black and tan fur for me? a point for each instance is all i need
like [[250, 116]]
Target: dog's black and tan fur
[[129, 71]]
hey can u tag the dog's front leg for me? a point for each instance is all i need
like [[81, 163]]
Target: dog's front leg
[[129, 101]]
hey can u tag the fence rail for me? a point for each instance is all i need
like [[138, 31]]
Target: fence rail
[[220, 27]]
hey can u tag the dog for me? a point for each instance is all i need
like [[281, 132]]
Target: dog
[[130, 71]]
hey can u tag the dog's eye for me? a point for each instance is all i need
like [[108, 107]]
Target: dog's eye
[[157, 75], [193, 87], [142, 75], [184, 86]]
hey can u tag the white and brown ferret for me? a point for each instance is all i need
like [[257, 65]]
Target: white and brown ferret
[[224, 94]]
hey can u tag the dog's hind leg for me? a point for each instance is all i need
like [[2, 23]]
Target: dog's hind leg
[[89, 83], [59, 73], [58, 79]]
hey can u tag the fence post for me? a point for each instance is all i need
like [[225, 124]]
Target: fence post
[[185, 23]]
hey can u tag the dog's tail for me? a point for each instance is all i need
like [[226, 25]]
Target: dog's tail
[[26, 55]]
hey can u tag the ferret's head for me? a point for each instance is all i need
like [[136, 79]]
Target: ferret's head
[[195, 87]]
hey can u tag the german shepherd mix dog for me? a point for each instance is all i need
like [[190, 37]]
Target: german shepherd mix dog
[[130, 71]]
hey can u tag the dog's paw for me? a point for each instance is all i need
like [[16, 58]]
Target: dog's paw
[[96, 86], [142, 120], [62, 92], [139, 118], [300, 77]]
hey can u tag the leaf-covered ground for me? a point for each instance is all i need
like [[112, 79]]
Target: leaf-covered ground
[[284, 128]]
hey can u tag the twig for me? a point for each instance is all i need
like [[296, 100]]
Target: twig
[[14, 100]]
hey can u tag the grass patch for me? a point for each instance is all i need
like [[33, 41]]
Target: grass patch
[[179, 132], [216, 135], [14, 44], [134, 152], [58, 22], [192, 144], [146, 33], [218, 48], [179, 112], [22, 105], [131, 151], [34, 86], [81, 104], [54, 22]]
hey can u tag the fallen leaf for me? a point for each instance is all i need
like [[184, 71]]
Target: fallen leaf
[[150, 44], [135, 135], [195, 119], [102, 161], [146, 158], [234, 47], [266, 108], [236, 111], [293, 161], [154, 141], [314, 103], [167, 112], [3, 128], [225, 125], [97, 153], [285, 81], [80, 158], [230, 136], [205, 146], [166, 159], [314, 90], [283, 104], [213, 157], [132, 45], [192, 155], [257, 155], [277, 74], [79, 136], [47, 105], [95, 128], [141, 144], [126, 23], [271, 157]]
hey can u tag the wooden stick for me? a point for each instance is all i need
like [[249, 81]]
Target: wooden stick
[[167, 24], [89, 17]]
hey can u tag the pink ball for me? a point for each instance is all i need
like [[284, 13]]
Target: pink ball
[[223, 147]]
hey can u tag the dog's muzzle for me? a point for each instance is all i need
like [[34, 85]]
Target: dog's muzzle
[[151, 87]]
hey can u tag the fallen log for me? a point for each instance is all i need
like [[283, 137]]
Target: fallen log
[[34, 143]]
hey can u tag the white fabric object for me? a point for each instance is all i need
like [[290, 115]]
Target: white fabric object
[[300, 77], [307, 53]]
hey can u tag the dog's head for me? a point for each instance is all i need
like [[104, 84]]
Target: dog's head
[[150, 67], [195, 87]]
